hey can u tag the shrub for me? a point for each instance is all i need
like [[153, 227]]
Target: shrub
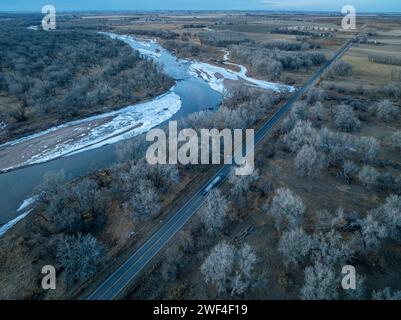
[[347, 171], [368, 176], [386, 111]]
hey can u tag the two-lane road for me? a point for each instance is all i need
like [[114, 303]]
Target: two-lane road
[[115, 284]]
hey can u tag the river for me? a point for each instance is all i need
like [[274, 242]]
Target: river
[[198, 86]]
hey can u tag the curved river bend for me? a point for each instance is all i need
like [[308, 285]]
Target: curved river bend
[[198, 85]]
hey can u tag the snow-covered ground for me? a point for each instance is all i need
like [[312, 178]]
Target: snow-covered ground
[[117, 125], [27, 203], [216, 76], [35, 28]]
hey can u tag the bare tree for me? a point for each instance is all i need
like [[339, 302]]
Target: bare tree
[[315, 95], [318, 111], [386, 294], [308, 162], [79, 256], [372, 232], [241, 186], [330, 248], [389, 215], [299, 111], [295, 247], [345, 119], [302, 134], [230, 270], [337, 146], [145, 202], [287, 209], [320, 283], [214, 212], [53, 183]]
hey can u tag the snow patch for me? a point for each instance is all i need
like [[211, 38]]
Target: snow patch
[[27, 203], [124, 124], [215, 77], [12, 223], [35, 28]]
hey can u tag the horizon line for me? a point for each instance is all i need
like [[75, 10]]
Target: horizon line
[[199, 10]]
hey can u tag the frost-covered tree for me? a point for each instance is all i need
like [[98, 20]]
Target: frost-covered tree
[[315, 95], [302, 134], [372, 232], [368, 148], [308, 162], [145, 202], [368, 176], [389, 214], [299, 111], [330, 248], [287, 209], [214, 212], [52, 184], [320, 283], [348, 170], [241, 186], [337, 146], [345, 119], [79, 255], [386, 294], [229, 269], [386, 111], [341, 68], [396, 139], [318, 111], [295, 246]]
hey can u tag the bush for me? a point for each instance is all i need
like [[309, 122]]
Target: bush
[[368, 148], [386, 111], [348, 170], [368, 176]]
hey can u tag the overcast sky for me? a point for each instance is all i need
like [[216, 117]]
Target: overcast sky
[[326, 5]]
